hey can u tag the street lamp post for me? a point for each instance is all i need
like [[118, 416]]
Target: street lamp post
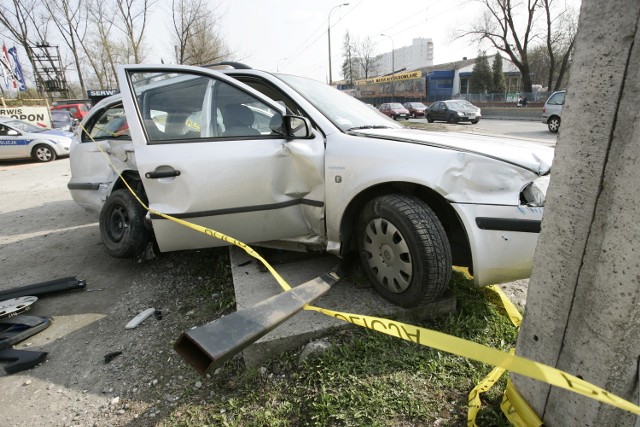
[[329, 36], [393, 68]]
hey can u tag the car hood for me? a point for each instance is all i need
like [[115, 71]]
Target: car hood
[[57, 132], [526, 154]]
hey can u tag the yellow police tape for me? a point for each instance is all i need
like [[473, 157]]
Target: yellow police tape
[[517, 411], [481, 353], [423, 336]]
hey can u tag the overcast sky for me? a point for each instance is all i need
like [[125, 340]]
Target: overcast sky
[[291, 35]]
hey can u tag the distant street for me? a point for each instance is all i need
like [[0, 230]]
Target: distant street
[[530, 130]]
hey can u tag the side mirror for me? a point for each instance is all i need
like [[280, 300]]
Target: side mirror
[[291, 127], [12, 132]]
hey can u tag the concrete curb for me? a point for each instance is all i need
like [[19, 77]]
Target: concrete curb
[[528, 114], [253, 285]]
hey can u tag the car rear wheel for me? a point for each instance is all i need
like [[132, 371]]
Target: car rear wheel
[[122, 227], [43, 153], [404, 250], [554, 124]]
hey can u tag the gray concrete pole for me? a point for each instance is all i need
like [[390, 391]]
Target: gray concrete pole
[[583, 305]]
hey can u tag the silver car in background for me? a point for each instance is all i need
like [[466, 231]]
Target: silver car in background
[[324, 172], [552, 110]]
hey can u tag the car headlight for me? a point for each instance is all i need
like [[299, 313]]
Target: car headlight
[[535, 193], [460, 113]]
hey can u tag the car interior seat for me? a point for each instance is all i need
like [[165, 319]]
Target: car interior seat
[[153, 132], [238, 120]]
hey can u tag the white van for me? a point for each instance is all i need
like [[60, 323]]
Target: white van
[[552, 110]]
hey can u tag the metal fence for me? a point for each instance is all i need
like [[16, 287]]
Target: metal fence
[[507, 99], [504, 98]]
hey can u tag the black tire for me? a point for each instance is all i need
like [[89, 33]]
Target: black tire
[[122, 226], [404, 250], [474, 122], [43, 153], [452, 119], [554, 124], [429, 118]]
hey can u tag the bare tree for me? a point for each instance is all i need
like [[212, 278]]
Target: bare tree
[[500, 25], [366, 57], [196, 37], [512, 27], [561, 31], [71, 20], [133, 15], [100, 49]]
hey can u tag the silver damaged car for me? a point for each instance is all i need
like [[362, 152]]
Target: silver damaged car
[[286, 162]]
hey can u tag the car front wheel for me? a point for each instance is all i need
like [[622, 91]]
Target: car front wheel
[[43, 153], [122, 227], [429, 118], [404, 250], [474, 122], [554, 124], [452, 119]]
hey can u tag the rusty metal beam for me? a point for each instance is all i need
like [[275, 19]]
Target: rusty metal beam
[[209, 346]]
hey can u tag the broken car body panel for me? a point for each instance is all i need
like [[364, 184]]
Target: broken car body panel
[[300, 193]]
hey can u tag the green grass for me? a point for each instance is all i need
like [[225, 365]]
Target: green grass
[[365, 379]]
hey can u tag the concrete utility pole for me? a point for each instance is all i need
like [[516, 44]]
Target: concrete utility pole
[[583, 306]]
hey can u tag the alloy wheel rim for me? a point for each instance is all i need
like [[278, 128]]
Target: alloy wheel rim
[[43, 154]]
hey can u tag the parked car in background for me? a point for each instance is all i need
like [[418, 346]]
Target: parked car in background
[[328, 173], [395, 110], [453, 111], [552, 110], [416, 109], [20, 140], [63, 120], [77, 111], [472, 107]]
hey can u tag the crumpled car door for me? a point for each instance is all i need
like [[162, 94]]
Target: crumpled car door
[[202, 157]]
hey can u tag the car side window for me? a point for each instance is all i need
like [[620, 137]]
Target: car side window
[[557, 99], [186, 107], [110, 124]]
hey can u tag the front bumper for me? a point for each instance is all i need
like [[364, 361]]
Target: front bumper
[[503, 240]]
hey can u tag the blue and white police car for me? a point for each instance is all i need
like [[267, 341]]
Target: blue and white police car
[[20, 140]]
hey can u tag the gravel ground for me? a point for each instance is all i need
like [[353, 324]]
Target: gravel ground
[[45, 235]]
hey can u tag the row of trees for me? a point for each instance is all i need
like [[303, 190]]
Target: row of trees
[[536, 35], [98, 34]]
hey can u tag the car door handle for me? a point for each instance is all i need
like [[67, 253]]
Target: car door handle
[[162, 174]]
